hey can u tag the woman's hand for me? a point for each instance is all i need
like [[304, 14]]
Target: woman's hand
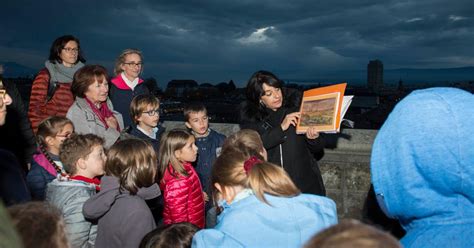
[[290, 119], [111, 122], [311, 133]]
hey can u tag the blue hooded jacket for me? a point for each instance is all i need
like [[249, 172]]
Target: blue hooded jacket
[[284, 222], [423, 167]]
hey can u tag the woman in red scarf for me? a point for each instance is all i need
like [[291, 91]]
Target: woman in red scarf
[[92, 111]]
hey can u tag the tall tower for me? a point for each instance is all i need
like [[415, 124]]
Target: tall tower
[[375, 75]]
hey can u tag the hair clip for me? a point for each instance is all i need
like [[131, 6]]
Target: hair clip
[[249, 163]]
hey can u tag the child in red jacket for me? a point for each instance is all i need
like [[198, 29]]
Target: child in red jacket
[[179, 182]]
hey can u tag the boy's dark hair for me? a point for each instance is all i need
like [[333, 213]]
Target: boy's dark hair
[[178, 235], [75, 147], [39, 224], [352, 233], [193, 108]]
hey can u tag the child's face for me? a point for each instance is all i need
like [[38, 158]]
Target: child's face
[[188, 153], [198, 122], [94, 162], [149, 118], [54, 142]]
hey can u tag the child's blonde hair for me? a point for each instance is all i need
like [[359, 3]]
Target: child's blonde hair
[[172, 141], [262, 177], [140, 103], [76, 147], [133, 162], [247, 140], [50, 127]]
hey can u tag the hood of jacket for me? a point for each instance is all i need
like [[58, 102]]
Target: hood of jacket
[[60, 191], [42, 161], [100, 204], [422, 163]]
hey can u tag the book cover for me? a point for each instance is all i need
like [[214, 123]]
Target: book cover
[[323, 108]]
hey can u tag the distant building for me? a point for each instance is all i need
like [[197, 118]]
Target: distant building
[[375, 75], [178, 88]]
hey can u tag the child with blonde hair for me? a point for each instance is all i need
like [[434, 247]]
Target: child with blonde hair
[[182, 193], [257, 197], [120, 207], [46, 165]]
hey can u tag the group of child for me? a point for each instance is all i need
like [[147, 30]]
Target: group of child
[[103, 197]]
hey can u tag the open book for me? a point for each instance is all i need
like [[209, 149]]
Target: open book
[[323, 108]]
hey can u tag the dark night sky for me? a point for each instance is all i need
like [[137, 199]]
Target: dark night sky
[[214, 41]]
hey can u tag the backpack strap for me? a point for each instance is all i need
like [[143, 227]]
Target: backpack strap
[[52, 87]]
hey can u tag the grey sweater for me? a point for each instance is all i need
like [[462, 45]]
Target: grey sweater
[[123, 219]]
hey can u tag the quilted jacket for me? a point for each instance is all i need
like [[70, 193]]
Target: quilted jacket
[[183, 197], [40, 108]]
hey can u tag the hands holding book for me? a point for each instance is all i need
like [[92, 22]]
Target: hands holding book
[[292, 119]]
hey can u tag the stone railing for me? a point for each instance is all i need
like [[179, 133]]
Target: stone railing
[[345, 165]]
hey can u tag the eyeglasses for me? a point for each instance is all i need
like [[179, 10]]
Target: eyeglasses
[[152, 112], [131, 64], [68, 49], [66, 135]]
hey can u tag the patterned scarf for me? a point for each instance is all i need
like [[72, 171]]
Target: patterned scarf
[[102, 113]]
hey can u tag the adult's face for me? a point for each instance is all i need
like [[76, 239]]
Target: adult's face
[[69, 53], [5, 100], [97, 92], [272, 97], [132, 66]]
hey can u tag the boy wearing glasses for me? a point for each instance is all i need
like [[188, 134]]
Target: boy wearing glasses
[[145, 113]]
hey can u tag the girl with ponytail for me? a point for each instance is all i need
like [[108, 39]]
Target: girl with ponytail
[[260, 205], [46, 165]]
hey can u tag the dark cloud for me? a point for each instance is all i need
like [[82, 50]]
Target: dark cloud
[[214, 41]]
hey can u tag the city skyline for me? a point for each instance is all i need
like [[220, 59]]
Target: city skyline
[[215, 41]]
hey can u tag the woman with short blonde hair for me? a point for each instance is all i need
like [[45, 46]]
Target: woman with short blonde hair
[[127, 82]]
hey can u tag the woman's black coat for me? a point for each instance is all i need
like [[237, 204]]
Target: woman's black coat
[[298, 153]]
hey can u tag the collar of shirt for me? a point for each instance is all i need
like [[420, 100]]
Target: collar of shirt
[[152, 134], [130, 84]]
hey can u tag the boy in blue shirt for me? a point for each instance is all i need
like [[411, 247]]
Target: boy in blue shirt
[[208, 141]]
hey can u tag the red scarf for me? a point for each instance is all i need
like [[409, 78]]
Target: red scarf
[[95, 181], [102, 113]]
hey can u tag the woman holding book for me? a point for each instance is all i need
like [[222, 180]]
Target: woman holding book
[[273, 112]]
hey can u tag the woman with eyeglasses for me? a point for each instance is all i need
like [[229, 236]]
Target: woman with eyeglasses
[[272, 111], [127, 84], [51, 91], [92, 111]]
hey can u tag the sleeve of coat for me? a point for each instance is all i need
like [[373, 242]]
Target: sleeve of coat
[[78, 228], [82, 126], [36, 181], [39, 90], [271, 136], [176, 196], [315, 145], [27, 138]]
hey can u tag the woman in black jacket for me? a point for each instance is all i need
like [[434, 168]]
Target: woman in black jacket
[[273, 112]]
